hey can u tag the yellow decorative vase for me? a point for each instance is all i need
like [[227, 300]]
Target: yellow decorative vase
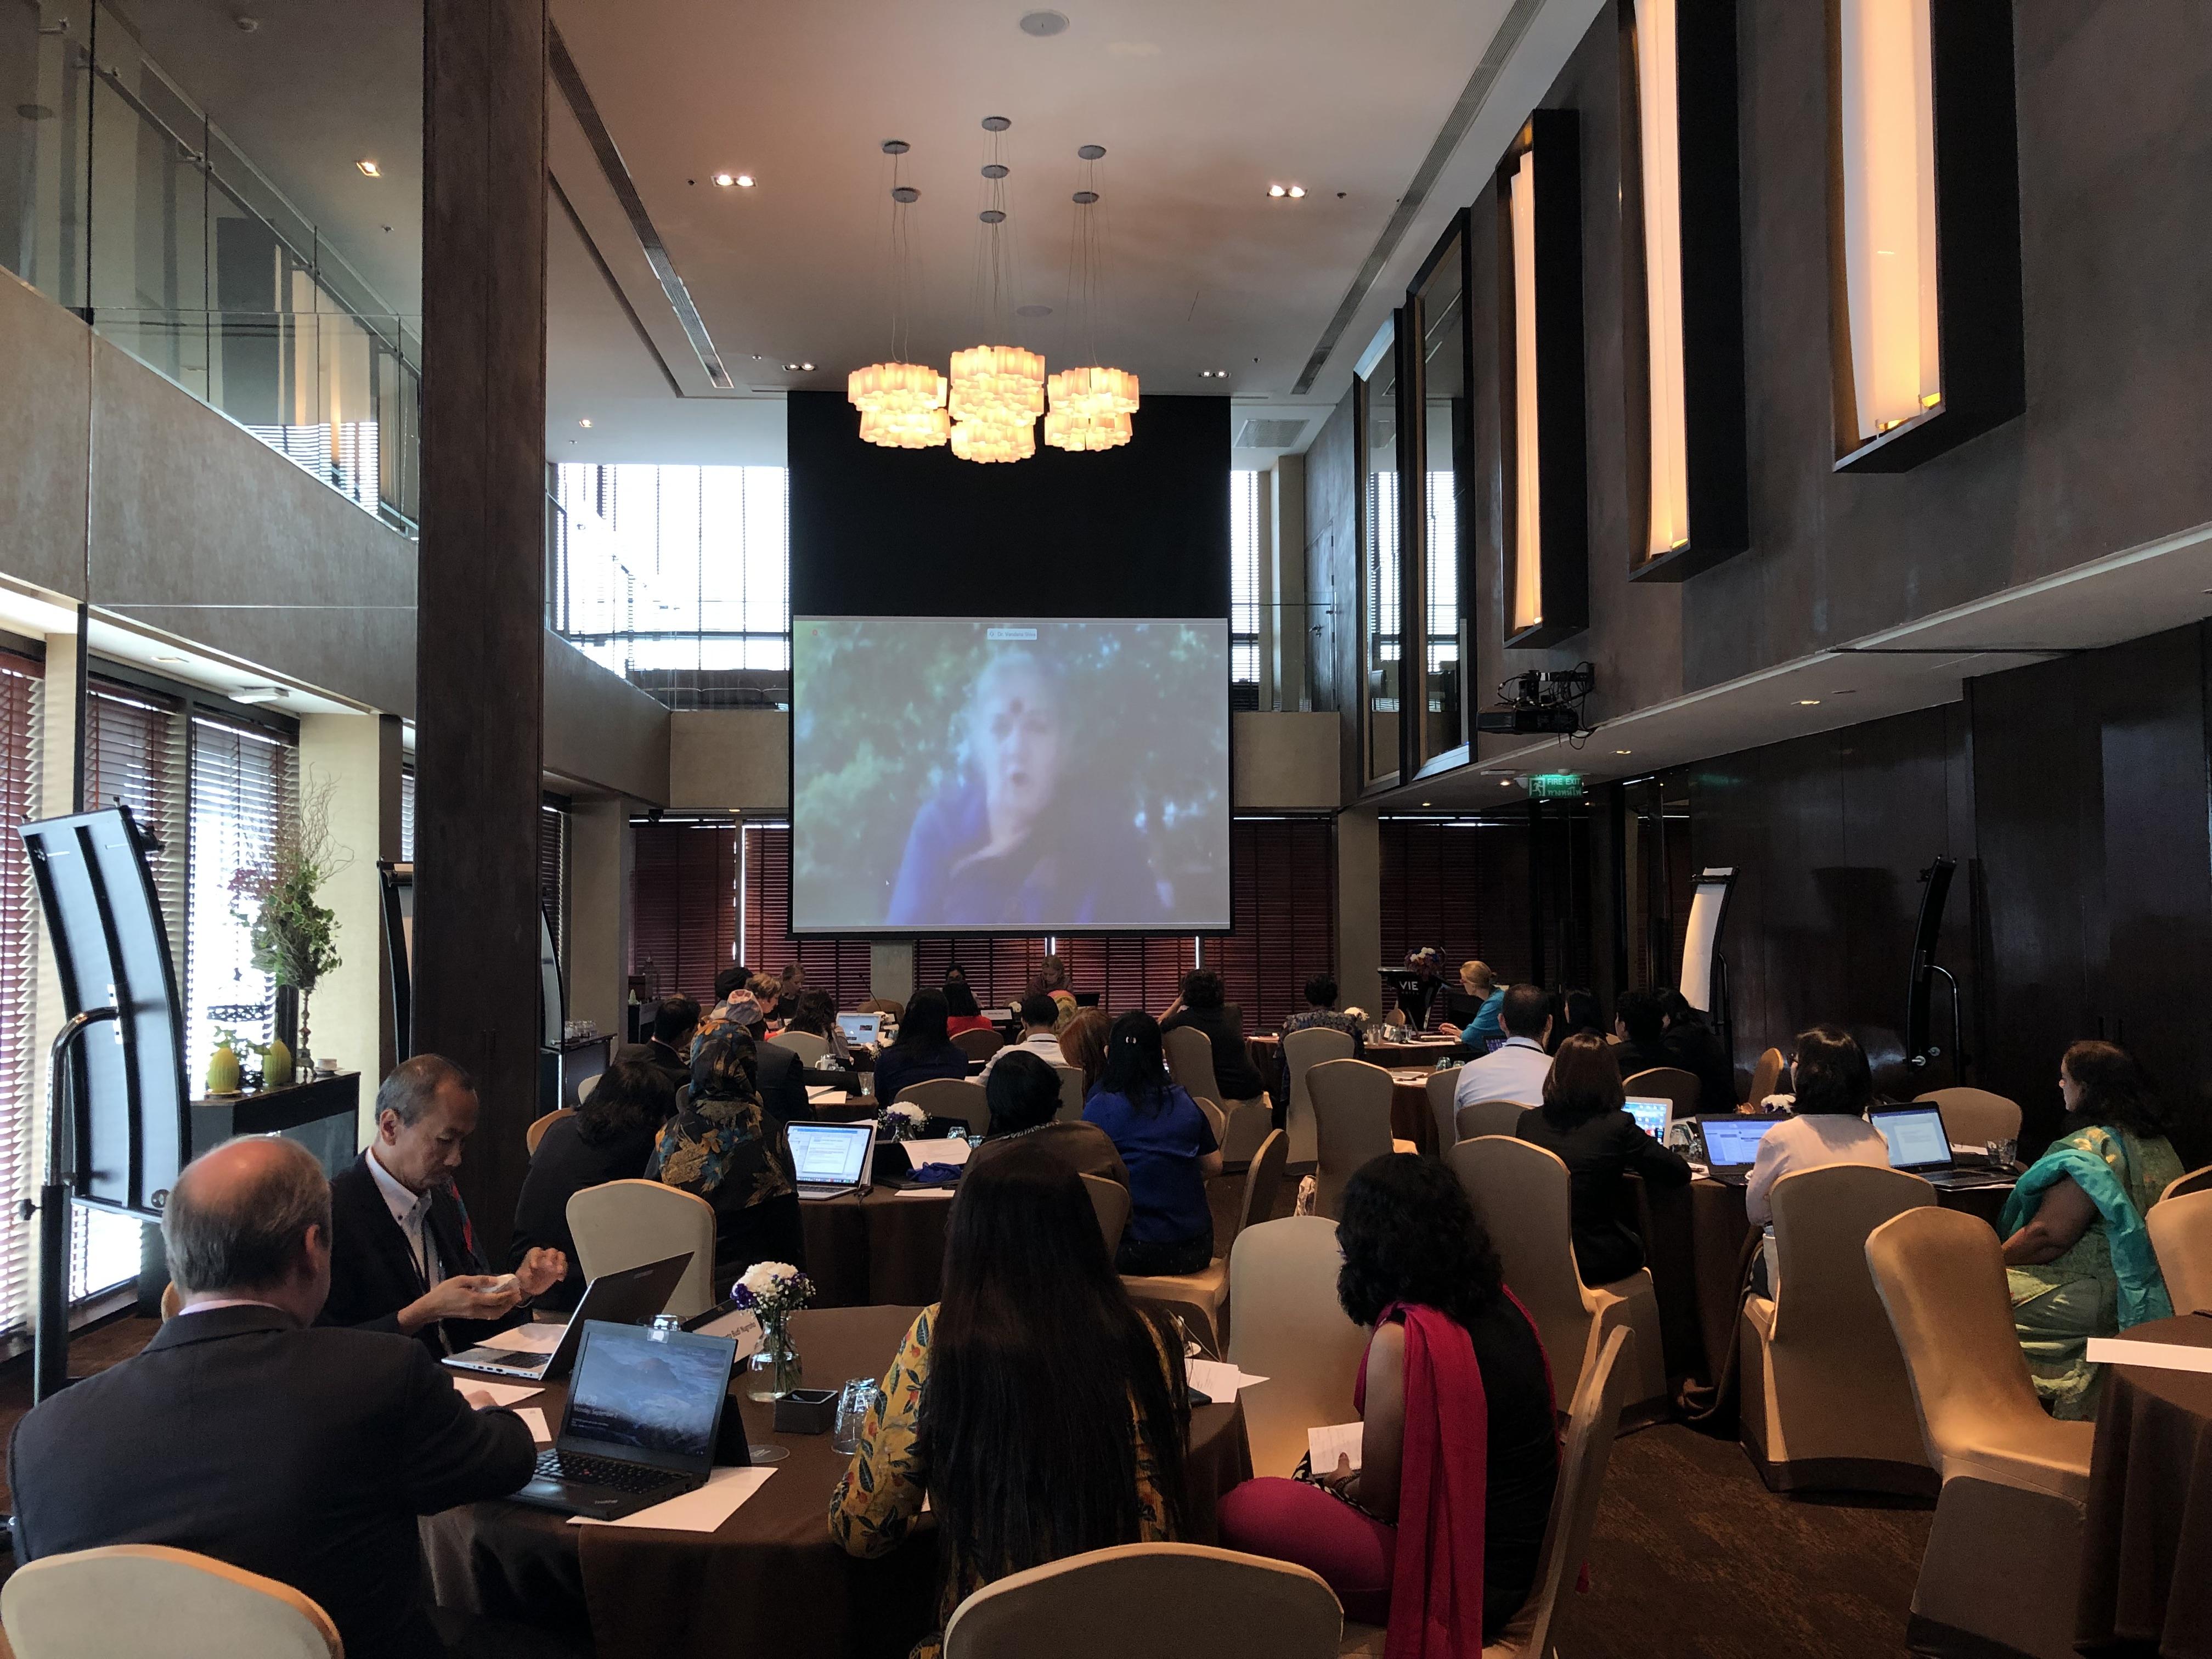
[[222, 1071], [277, 1065]]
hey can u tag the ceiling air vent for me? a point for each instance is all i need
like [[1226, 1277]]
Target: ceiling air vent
[[1269, 434]]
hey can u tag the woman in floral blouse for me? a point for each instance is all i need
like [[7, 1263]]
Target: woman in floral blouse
[[727, 1145], [1036, 1407]]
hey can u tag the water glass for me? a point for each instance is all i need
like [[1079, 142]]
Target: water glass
[[854, 1400], [2001, 1153]]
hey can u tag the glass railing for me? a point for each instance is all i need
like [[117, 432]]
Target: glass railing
[[123, 200]]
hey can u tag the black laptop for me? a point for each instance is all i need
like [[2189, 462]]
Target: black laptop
[[631, 1296], [645, 1409], [1920, 1146], [1731, 1141]]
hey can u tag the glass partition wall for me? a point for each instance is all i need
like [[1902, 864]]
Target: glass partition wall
[[1438, 303], [1382, 598]]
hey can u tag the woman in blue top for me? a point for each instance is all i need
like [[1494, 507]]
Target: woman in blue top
[[1167, 1146], [923, 1050]]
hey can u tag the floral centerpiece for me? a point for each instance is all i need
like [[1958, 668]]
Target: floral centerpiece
[[902, 1120], [772, 1291]]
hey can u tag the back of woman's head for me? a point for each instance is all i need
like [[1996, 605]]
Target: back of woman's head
[[726, 1067], [1202, 988], [1584, 1081], [1023, 1091], [1409, 1234], [730, 980], [2111, 1089], [1583, 1012], [629, 1097], [1135, 1068], [924, 1024], [960, 1000], [817, 1013], [1832, 1074], [793, 976], [1036, 1355], [1083, 1041], [767, 989]]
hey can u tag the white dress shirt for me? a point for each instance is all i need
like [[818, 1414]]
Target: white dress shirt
[[412, 1212], [1515, 1071], [1809, 1141], [1043, 1044]]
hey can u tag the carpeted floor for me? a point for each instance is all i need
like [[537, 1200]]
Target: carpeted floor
[[90, 1350]]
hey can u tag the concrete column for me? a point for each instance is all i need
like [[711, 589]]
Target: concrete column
[[1292, 638], [1359, 909], [891, 971], [601, 851], [350, 1013]]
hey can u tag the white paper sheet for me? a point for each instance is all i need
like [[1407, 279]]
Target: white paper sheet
[[953, 1150], [1338, 1440], [922, 1191], [503, 1394], [703, 1510], [1212, 1376], [2163, 1356], [530, 1339], [533, 1418], [817, 1093], [743, 1327]]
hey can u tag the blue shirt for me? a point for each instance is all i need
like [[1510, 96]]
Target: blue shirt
[[1162, 1148], [1485, 1023]]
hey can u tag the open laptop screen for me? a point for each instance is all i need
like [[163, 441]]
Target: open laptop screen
[[1730, 1141], [830, 1154], [1651, 1115], [636, 1391], [860, 1029], [1915, 1137]]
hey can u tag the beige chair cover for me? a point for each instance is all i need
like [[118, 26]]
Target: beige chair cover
[[627, 1223], [131, 1599], [1671, 1083], [1302, 1052], [1190, 1061], [1207, 1290], [1194, 1603], [1485, 1117], [951, 1097], [810, 1049], [1444, 1111], [2181, 1233], [1765, 1078], [2196, 1180], [536, 1132], [1352, 1123], [979, 1045], [584, 1088], [894, 1012], [1070, 1094], [1825, 1400], [1111, 1200], [1289, 1328], [1974, 1117], [1244, 1123]]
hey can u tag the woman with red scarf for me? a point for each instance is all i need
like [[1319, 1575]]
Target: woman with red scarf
[[1437, 1533]]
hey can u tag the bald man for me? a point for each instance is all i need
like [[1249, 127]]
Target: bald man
[[247, 1432]]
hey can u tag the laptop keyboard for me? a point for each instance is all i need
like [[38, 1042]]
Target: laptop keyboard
[[602, 1471]]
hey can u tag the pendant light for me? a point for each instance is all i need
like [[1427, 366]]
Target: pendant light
[[901, 404], [1090, 406], [997, 391]]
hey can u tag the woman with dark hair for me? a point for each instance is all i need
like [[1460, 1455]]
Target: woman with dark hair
[[963, 1011], [1023, 1091], [608, 1138], [2077, 1253], [728, 1147], [1039, 1411], [817, 1014], [1577, 1013], [1458, 1451], [1582, 1121], [1168, 1145], [1204, 1007], [922, 1051], [1827, 1125], [1083, 1044], [791, 985], [1690, 1044]]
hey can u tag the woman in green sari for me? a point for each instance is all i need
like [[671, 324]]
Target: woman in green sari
[[2078, 1256]]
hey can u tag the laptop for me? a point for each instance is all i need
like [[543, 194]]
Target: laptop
[[1732, 1144], [1651, 1115], [645, 1407], [832, 1159], [860, 1030], [631, 1296], [1919, 1145]]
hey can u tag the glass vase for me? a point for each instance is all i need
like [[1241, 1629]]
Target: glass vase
[[775, 1365]]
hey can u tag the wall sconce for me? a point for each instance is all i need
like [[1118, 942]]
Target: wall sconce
[[1540, 363], [1687, 220], [1924, 226]]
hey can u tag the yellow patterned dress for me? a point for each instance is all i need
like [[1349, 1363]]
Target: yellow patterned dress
[[875, 1504]]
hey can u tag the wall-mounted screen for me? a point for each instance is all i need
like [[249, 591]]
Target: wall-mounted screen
[[999, 774]]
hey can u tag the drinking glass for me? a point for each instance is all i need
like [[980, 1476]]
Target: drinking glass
[[854, 1400], [2001, 1153]]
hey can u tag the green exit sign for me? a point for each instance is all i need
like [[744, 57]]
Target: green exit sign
[[1555, 786]]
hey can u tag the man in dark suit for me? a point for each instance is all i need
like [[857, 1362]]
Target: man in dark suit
[[244, 1433], [778, 1073], [403, 1257], [668, 1050]]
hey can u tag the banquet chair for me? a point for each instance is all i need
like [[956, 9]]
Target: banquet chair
[[2181, 1233], [1593, 1424], [951, 1097], [2196, 1180], [1765, 1078], [627, 1223], [1110, 1200], [151, 1598], [1070, 1094], [1671, 1084], [1442, 1109], [1207, 1290], [893, 1011], [810, 1049], [584, 1088], [1302, 1052], [1246, 1122], [1974, 1117], [1198, 1603], [2014, 1480], [1216, 1118], [1288, 1328], [1826, 1405], [536, 1132], [1352, 1123], [1485, 1117], [979, 1045], [1519, 1190]]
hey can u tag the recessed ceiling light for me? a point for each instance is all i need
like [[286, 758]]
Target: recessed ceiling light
[[725, 179], [744, 181], [584, 422], [1042, 24], [1297, 192], [1212, 373], [1032, 311], [369, 168], [1505, 783], [1624, 751], [1277, 189], [797, 368], [1808, 702]]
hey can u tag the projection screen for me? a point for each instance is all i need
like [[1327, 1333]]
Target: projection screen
[[995, 774]]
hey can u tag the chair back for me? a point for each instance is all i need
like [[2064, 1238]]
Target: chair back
[[2181, 1233], [1110, 1200], [1485, 1117], [951, 1097], [894, 1012], [1520, 1191], [1443, 1109], [1766, 1076], [810, 1049], [1942, 1279], [627, 1223], [1190, 1061], [1289, 1328], [1593, 1422], [584, 1088], [1302, 1052], [2196, 1180], [1216, 1118], [1352, 1122], [1197, 1602], [536, 1132], [979, 1045], [1822, 1220], [1071, 1095], [1263, 1180], [1974, 1117], [150, 1599], [1672, 1083]]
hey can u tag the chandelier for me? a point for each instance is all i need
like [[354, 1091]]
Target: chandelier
[[997, 383], [1090, 406], [989, 440], [901, 404]]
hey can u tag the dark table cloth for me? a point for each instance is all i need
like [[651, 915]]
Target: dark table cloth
[[883, 1247], [769, 1581]]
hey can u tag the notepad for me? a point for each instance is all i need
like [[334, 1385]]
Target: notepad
[[533, 1418], [2162, 1356], [1325, 1446], [700, 1511], [503, 1394], [1212, 1376], [952, 1150]]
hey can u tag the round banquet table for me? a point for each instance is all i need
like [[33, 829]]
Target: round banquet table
[[769, 1580], [2146, 1539], [885, 1247], [1410, 1116]]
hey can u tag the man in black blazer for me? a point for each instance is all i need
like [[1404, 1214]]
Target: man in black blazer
[[246, 1433], [668, 1050], [403, 1256]]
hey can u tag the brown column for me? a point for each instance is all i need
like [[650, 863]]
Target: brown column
[[480, 594]]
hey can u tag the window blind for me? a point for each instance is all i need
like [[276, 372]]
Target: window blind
[[1283, 871], [19, 1099], [843, 967], [553, 875], [244, 789], [407, 815], [684, 912], [1460, 884]]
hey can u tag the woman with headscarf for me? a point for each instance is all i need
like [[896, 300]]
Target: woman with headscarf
[[726, 1146]]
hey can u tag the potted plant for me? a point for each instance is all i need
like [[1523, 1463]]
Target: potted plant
[[293, 934]]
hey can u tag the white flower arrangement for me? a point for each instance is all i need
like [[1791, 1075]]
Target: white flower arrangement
[[1355, 1013], [901, 1120], [772, 1287]]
